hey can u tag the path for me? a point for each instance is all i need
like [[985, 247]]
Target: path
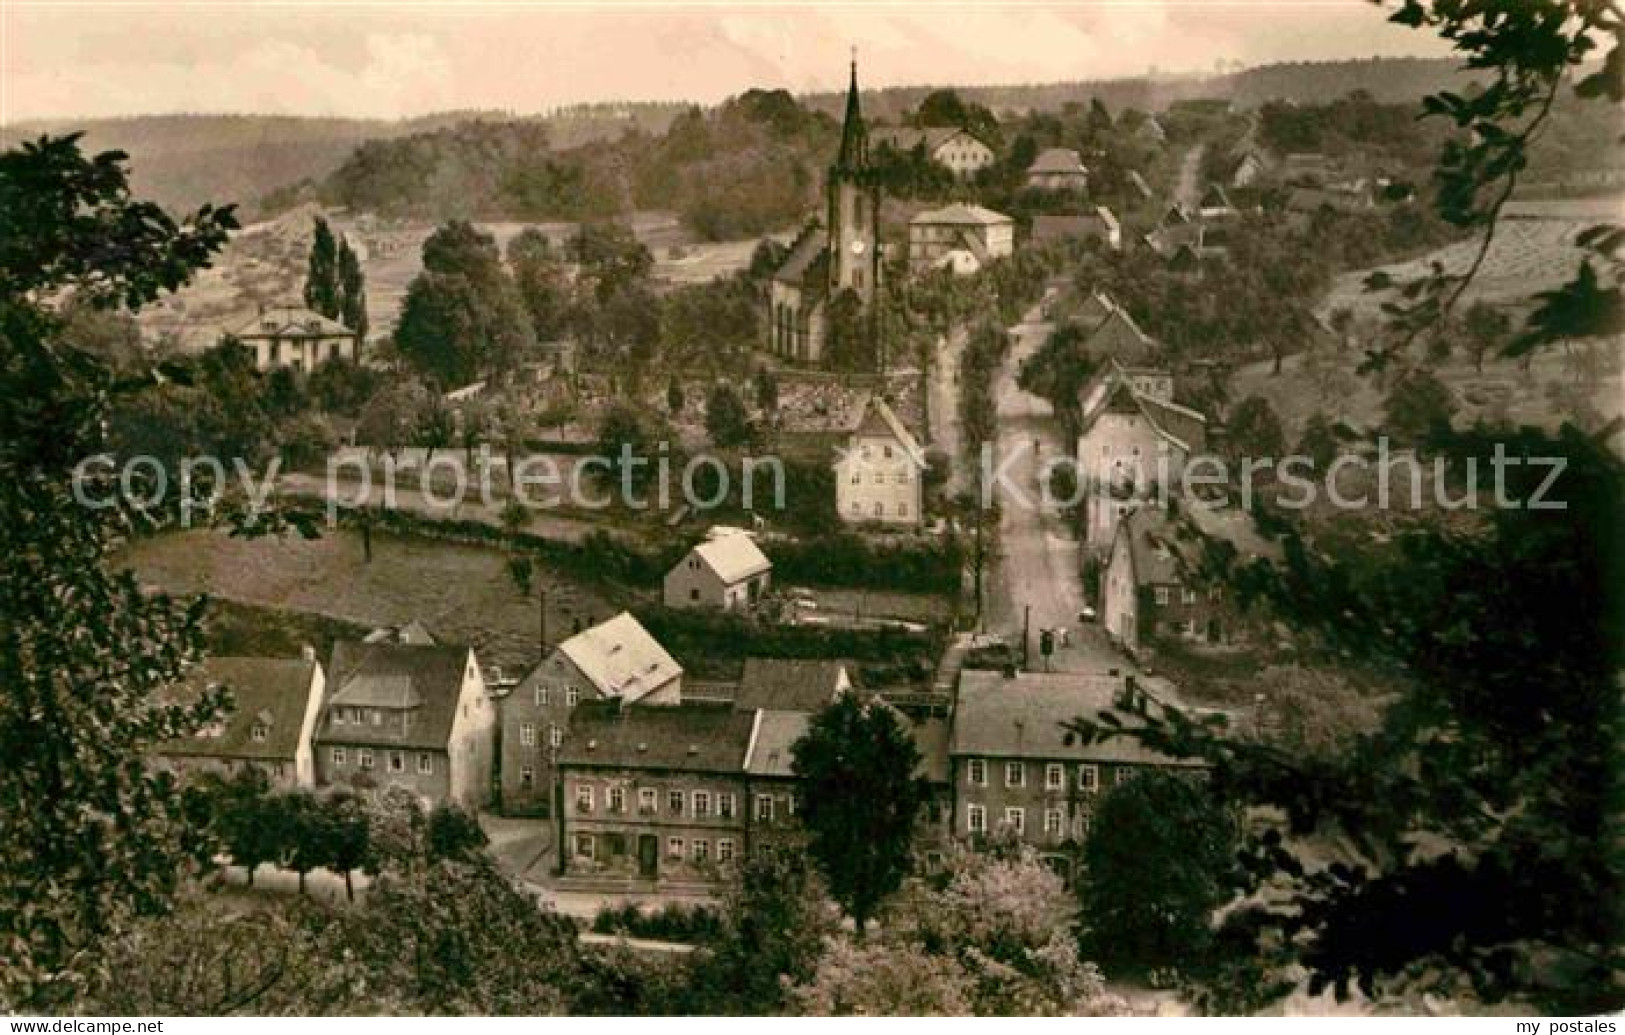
[[1188, 188], [944, 409], [1038, 558]]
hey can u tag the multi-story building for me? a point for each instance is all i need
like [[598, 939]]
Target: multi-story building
[[411, 715], [879, 476], [296, 337], [616, 659], [840, 254], [1015, 771], [961, 238], [958, 150], [275, 703]]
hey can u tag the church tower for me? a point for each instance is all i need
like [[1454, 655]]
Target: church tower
[[854, 208]]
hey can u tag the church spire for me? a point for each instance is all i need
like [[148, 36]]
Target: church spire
[[854, 140]]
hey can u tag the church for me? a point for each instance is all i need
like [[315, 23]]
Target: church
[[841, 253]]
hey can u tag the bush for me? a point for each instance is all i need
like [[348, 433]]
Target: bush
[[674, 922]]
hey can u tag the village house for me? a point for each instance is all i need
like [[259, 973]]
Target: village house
[[791, 684], [411, 715], [842, 253], [296, 337], [1114, 333], [1302, 203], [1251, 168], [1098, 224], [725, 572], [1135, 443], [1307, 168], [652, 794], [958, 150], [275, 703], [616, 659], [1058, 168], [1144, 592], [959, 237], [1015, 772], [879, 476]]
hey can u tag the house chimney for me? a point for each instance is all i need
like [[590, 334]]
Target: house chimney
[[307, 652]]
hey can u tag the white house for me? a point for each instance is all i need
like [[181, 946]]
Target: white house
[[275, 704], [1059, 168], [958, 150], [879, 475], [293, 336], [959, 237], [726, 572]]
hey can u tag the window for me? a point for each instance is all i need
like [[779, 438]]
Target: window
[[976, 772], [338, 716], [542, 696], [880, 509], [693, 594], [902, 477], [674, 847], [1081, 824], [527, 777], [376, 716], [674, 802], [902, 510], [258, 732], [1016, 819], [1015, 774], [648, 800], [886, 452], [584, 846], [1054, 822], [725, 808], [617, 799], [397, 762], [700, 851], [363, 758], [1187, 596], [1054, 777], [583, 799], [702, 804], [725, 850], [338, 756], [1162, 595], [764, 808], [527, 735], [1088, 777], [425, 763], [555, 735], [976, 819]]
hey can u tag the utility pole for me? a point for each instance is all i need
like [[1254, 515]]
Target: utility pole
[[1026, 627], [541, 616]]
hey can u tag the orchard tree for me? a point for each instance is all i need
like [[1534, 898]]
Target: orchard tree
[[1418, 408], [726, 419], [1254, 430], [859, 770], [93, 836]]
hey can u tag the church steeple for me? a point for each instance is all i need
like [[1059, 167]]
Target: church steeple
[[854, 152]]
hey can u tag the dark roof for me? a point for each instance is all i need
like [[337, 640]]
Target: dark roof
[[1022, 717], [931, 737], [425, 679], [788, 684], [773, 738], [1149, 535], [1058, 160], [273, 692], [708, 738], [806, 263]]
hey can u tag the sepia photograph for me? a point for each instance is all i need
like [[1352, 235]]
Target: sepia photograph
[[690, 509]]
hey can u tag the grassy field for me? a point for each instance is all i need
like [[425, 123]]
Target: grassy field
[[462, 593]]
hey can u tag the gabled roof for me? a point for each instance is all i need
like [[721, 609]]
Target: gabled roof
[[292, 322], [620, 658], [961, 214], [1022, 717], [790, 684], [772, 741], [1058, 160], [1148, 534], [1094, 309], [269, 692], [732, 558], [1215, 198], [1119, 337], [877, 418], [703, 738], [806, 254], [1112, 390], [412, 632], [424, 679], [1049, 225], [906, 138]]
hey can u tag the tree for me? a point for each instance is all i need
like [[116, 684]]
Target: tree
[[322, 274], [1418, 408], [340, 386], [767, 390], [1487, 329], [455, 835], [848, 343], [775, 921], [300, 820], [1161, 857], [392, 417], [882, 981], [348, 837], [726, 419], [255, 827], [542, 282], [352, 292], [1319, 442], [1314, 712], [859, 769], [627, 440], [1254, 430], [462, 318], [92, 835]]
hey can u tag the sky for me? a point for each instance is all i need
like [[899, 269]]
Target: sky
[[389, 60]]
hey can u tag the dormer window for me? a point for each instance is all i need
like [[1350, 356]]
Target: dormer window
[[259, 732]]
